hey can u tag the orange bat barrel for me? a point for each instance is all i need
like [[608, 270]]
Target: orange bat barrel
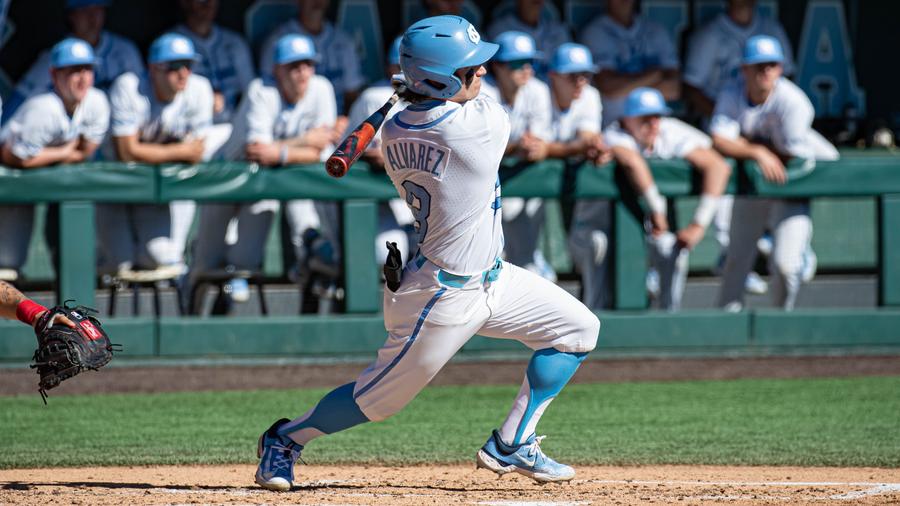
[[356, 143]]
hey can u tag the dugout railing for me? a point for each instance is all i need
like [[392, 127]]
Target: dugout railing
[[76, 188]]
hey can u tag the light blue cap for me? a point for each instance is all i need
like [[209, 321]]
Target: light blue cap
[[293, 47], [78, 4], [762, 49], [645, 102], [570, 58], [393, 57], [516, 46], [71, 51], [172, 47]]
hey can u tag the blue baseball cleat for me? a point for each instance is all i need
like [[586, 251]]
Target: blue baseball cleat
[[526, 459], [277, 456]]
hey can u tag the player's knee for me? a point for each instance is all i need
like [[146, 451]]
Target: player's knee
[[588, 332], [786, 266]]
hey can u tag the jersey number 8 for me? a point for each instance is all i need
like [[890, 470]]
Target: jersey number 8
[[415, 192]]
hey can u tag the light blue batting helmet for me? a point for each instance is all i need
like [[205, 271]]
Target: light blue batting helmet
[[434, 48], [393, 57], [645, 102], [172, 47], [570, 58], [762, 49], [516, 46], [294, 47], [70, 52]]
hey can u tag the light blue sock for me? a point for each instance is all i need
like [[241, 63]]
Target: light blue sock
[[548, 372], [336, 411]]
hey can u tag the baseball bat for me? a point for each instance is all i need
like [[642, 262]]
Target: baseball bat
[[356, 143]]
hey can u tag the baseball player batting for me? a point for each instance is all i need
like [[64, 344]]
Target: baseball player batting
[[442, 153]]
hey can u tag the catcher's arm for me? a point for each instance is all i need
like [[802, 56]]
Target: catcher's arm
[[14, 305]]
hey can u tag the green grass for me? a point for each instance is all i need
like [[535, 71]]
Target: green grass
[[816, 422]]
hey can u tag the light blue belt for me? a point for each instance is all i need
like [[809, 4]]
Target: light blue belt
[[457, 281]]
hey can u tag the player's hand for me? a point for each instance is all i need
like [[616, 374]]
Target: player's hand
[[192, 150], [771, 166], [218, 102], [689, 236], [264, 154], [319, 137], [658, 223], [535, 148], [340, 126], [56, 319], [598, 152]]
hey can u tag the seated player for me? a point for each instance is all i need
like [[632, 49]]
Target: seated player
[[65, 125], [548, 34]]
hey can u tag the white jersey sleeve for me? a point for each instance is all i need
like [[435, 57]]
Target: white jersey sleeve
[[33, 127], [129, 108], [94, 121], [616, 137], [589, 109], [199, 103], [323, 97], [263, 106], [677, 139], [725, 120]]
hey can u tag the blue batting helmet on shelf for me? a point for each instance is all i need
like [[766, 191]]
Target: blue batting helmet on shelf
[[434, 48]]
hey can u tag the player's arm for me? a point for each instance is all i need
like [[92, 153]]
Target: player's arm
[[638, 173], [15, 306], [67, 153], [714, 172], [585, 144], [131, 149], [742, 149]]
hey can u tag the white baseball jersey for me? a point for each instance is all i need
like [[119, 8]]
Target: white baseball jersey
[[676, 139], [339, 62], [642, 46], [783, 121], [547, 35], [225, 60], [443, 159], [270, 118], [116, 55], [715, 51], [136, 110], [583, 115], [42, 121], [530, 112]]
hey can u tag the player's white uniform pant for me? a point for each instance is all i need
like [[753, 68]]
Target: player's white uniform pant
[[138, 235], [212, 251], [589, 245], [434, 313], [671, 263], [791, 235], [523, 220]]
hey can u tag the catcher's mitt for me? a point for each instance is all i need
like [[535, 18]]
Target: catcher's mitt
[[64, 352]]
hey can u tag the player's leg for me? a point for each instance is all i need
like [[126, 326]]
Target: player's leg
[[671, 262], [426, 327], [254, 222], [562, 331], [748, 222], [153, 231], [589, 245], [792, 232], [114, 237], [208, 251], [182, 214]]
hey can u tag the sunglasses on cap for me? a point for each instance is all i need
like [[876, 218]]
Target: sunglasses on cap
[[518, 64], [175, 66]]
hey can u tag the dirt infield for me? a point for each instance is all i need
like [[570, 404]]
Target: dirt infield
[[451, 485]]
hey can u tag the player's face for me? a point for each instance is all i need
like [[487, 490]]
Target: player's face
[[620, 8], [439, 7], [515, 73], [294, 77], [87, 22], [73, 82], [571, 85], [762, 77], [172, 76], [644, 129], [470, 77]]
